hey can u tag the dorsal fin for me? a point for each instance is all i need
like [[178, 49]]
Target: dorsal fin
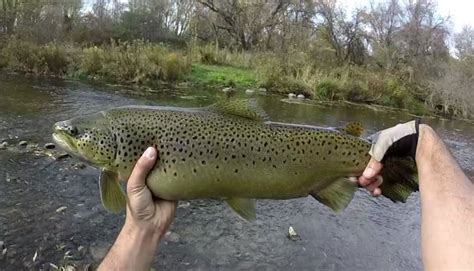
[[353, 128], [245, 108]]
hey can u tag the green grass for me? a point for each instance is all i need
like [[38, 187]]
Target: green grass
[[222, 76]]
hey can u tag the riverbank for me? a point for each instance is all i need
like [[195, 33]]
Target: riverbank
[[141, 65]]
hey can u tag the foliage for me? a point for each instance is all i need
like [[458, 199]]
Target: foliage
[[28, 57], [132, 62], [327, 89], [393, 53]]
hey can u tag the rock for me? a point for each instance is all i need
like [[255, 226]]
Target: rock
[[262, 90], [172, 237], [79, 165], [227, 89], [60, 156], [4, 253], [185, 204], [3, 145], [98, 252], [35, 256], [49, 146], [23, 143], [300, 96], [291, 95], [249, 91], [61, 209], [292, 235]]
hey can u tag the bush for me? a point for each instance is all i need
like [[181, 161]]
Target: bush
[[397, 93], [175, 66], [135, 62], [55, 58], [91, 61], [287, 85], [23, 56], [327, 89]]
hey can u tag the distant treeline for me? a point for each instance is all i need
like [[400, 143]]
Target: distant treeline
[[398, 53]]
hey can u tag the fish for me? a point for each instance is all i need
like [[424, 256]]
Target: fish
[[229, 151]]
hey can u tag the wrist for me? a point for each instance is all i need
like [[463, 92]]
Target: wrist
[[426, 139], [133, 250], [143, 231]]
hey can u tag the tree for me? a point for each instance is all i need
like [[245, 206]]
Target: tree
[[347, 38], [245, 21], [464, 43], [384, 19]]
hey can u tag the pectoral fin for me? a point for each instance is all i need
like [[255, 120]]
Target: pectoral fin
[[245, 208], [111, 195], [337, 195]]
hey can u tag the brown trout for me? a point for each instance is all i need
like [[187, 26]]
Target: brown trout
[[227, 151]]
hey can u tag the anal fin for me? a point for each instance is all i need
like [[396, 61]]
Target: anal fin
[[337, 195], [245, 208], [112, 197]]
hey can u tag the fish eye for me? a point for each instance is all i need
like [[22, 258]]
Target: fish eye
[[73, 130]]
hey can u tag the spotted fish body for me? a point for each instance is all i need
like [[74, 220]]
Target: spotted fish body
[[212, 153]]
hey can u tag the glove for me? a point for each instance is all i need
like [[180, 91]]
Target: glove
[[400, 140]]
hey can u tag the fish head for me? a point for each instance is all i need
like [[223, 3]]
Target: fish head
[[88, 138]]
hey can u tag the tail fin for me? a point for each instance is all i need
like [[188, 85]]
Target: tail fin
[[400, 178]]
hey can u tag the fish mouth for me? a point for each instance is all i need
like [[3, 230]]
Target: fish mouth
[[65, 142]]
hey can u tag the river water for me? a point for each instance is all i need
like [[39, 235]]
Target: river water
[[371, 234]]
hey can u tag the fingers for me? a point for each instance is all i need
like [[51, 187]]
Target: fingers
[[136, 182], [375, 184], [371, 179]]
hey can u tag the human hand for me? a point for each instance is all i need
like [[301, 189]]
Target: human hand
[[400, 140], [146, 222], [144, 212]]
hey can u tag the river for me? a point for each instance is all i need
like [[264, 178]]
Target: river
[[51, 215]]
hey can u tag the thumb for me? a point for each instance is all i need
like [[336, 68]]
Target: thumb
[[136, 182], [373, 169]]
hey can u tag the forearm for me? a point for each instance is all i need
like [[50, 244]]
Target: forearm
[[133, 250], [447, 202]]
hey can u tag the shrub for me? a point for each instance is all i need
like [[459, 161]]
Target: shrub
[[327, 89], [175, 66], [134, 62], [91, 61], [23, 56], [55, 58], [287, 85]]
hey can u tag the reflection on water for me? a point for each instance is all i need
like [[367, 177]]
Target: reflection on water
[[371, 234]]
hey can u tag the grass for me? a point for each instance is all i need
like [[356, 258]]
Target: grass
[[222, 76], [141, 63]]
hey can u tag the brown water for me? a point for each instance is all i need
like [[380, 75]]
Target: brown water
[[371, 234]]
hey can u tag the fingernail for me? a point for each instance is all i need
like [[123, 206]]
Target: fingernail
[[150, 153], [368, 172]]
